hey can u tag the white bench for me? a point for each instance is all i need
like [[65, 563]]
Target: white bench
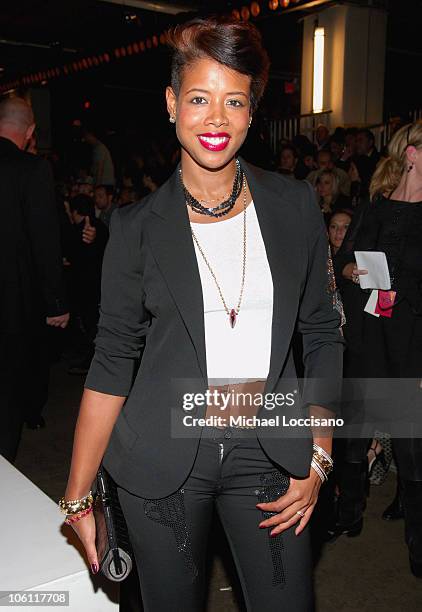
[[39, 553]]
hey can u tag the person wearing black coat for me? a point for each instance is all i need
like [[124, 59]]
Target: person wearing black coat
[[389, 346], [32, 291]]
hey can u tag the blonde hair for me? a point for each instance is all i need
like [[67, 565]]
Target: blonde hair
[[335, 182], [390, 170]]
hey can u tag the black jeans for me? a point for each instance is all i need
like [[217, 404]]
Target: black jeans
[[169, 535]]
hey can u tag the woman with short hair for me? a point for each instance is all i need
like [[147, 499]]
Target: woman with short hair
[[213, 271]]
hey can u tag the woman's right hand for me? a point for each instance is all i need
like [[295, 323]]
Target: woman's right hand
[[351, 272], [85, 529]]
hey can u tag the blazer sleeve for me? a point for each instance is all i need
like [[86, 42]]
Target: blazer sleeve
[[123, 322], [318, 320], [44, 234]]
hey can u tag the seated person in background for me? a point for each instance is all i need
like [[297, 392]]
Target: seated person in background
[[104, 205], [337, 145], [128, 195], [328, 193], [337, 227], [322, 137], [325, 162], [287, 160], [364, 163]]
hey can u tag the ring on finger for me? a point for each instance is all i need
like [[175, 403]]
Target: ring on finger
[[301, 513]]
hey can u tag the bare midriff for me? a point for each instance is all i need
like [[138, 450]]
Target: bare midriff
[[236, 400]]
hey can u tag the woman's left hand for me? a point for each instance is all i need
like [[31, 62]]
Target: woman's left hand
[[301, 498]]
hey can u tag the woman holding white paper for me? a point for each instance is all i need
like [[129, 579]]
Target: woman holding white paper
[[391, 342]]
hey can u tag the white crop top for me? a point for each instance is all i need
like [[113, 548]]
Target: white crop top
[[241, 353]]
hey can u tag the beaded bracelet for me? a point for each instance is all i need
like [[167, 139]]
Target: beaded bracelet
[[76, 505], [77, 517]]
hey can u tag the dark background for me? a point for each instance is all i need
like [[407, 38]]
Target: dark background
[[126, 95]]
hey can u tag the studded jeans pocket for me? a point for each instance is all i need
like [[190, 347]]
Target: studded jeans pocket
[[273, 486]]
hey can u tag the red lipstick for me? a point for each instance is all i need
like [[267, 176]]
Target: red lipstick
[[217, 141]]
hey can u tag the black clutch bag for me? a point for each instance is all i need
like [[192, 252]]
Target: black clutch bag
[[112, 539]]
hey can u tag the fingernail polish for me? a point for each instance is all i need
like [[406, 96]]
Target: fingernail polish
[[94, 568]]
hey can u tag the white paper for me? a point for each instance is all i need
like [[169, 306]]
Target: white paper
[[375, 262], [372, 303]]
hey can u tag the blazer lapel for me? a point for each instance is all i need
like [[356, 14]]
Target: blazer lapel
[[173, 249], [277, 223]]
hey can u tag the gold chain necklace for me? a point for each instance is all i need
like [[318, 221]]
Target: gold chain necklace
[[219, 199], [232, 314]]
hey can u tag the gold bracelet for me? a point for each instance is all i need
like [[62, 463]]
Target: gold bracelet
[[76, 505]]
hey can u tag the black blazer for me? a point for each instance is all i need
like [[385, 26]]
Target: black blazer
[[151, 290], [31, 263]]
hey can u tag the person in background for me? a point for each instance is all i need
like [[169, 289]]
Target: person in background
[[325, 161], [104, 205], [291, 163], [31, 288], [337, 148], [322, 137], [391, 344], [288, 159], [329, 196], [102, 168], [364, 163], [128, 195], [85, 261], [337, 227]]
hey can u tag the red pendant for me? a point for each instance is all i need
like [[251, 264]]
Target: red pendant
[[232, 317]]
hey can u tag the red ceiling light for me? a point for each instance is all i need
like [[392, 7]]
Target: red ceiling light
[[135, 48], [85, 64], [245, 13], [142, 45], [117, 52], [155, 41], [65, 69], [148, 43], [90, 62], [163, 38], [95, 60], [122, 51], [106, 57], [273, 5], [255, 9], [87, 104], [236, 14], [284, 3]]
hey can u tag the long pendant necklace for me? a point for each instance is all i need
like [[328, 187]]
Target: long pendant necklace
[[233, 312]]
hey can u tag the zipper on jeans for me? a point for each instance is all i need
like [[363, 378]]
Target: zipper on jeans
[[221, 451]]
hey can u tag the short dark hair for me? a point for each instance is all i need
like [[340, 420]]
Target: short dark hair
[[235, 44], [289, 147], [368, 134], [109, 189], [83, 204]]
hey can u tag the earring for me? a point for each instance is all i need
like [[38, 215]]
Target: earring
[[172, 119], [250, 121], [409, 168]]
